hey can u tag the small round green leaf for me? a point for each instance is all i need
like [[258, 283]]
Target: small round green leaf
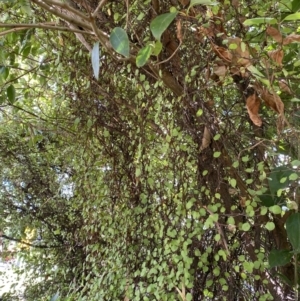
[[246, 226], [293, 176], [217, 154], [275, 209], [270, 226]]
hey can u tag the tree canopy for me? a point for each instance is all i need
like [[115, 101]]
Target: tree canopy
[[150, 149]]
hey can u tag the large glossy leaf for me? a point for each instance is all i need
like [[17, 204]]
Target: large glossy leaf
[[268, 200], [292, 17], [202, 2], [293, 230], [55, 297], [161, 23], [119, 41], [295, 5], [143, 56], [279, 258], [261, 77], [258, 21], [279, 178], [11, 93], [4, 71], [25, 7], [96, 60]]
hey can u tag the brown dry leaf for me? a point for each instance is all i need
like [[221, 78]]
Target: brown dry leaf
[[275, 34], [184, 2], [253, 104], [222, 53], [235, 3], [291, 38], [220, 70], [276, 56], [283, 85], [241, 55], [206, 139], [243, 201], [179, 30], [272, 100]]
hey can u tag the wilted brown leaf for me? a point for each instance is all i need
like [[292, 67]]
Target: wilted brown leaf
[[179, 30], [184, 2], [284, 86], [275, 34], [206, 139], [276, 56], [291, 38], [253, 104], [235, 3], [222, 53], [220, 70], [272, 100]]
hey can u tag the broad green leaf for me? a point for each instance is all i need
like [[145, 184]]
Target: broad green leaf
[[11, 93], [202, 2], [143, 56], [119, 41], [161, 23], [275, 177], [268, 200], [157, 48], [258, 21], [96, 60], [295, 5], [293, 176], [292, 17], [4, 71], [261, 77], [279, 258], [293, 230], [25, 7], [295, 163]]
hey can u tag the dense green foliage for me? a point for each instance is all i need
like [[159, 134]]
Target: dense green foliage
[[150, 149]]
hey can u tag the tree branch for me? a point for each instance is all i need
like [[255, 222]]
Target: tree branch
[[28, 244], [18, 27]]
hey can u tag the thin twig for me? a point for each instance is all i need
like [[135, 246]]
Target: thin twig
[[98, 8], [162, 62], [67, 7], [251, 147], [29, 244], [127, 13], [19, 27]]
